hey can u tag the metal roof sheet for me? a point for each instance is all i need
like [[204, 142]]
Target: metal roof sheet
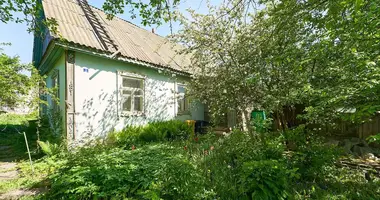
[[132, 41]]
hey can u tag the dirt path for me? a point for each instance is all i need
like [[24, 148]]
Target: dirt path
[[8, 172]]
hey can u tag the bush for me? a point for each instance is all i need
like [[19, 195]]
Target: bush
[[128, 136], [50, 149], [230, 154], [153, 132], [170, 130], [314, 159], [311, 155], [266, 179], [152, 172]]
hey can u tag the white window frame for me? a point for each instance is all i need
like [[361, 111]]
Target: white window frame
[[187, 101], [132, 90]]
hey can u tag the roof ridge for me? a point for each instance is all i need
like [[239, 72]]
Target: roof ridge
[[127, 21]]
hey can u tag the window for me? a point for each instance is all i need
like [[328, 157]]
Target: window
[[55, 85], [132, 95], [182, 101]]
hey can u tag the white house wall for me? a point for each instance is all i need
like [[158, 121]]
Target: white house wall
[[97, 103], [59, 67]]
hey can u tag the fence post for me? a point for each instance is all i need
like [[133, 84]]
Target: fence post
[[30, 158]]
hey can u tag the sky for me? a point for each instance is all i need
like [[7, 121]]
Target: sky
[[22, 41]]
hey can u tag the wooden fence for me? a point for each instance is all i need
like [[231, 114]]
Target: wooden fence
[[369, 128]]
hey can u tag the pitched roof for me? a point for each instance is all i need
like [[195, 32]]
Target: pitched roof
[[132, 41]]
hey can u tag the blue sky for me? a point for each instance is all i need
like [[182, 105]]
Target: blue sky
[[22, 41]]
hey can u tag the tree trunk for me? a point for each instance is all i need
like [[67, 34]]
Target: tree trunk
[[246, 120], [283, 122]]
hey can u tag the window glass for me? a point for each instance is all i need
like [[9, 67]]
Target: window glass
[[127, 103], [182, 102], [133, 83], [138, 103], [132, 95]]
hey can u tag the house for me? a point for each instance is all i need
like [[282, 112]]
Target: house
[[109, 73]]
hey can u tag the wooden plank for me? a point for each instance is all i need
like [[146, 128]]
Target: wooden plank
[[70, 95]]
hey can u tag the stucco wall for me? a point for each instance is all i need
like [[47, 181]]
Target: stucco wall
[[59, 66], [97, 100]]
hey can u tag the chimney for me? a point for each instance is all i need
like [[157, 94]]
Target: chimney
[[153, 30]]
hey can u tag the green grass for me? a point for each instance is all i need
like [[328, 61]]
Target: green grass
[[15, 119], [12, 127], [26, 178]]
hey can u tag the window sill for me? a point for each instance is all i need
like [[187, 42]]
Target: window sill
[[132, 114], [183, 113]]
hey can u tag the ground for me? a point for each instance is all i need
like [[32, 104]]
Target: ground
[[9, 172], [12, 152]]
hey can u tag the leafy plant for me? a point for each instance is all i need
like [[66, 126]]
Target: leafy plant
[[224, 166], [266, 179], [150, 171], [153, 132], [374, 138], [128, 136], [312, 156], [48, 148]]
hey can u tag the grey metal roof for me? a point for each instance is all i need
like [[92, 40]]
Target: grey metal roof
[[133, 42]]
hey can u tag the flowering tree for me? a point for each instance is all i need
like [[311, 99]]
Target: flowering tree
[[244, 62], [323, 54], [17, 87], [14, 85]]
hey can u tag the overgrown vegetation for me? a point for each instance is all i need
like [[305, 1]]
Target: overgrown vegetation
[[153, 132], [11, 128], [234, 166]]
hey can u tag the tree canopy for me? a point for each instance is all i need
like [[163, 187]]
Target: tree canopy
[[13, 83], [151, 11], [323, 54]]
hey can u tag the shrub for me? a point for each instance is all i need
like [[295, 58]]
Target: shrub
[[128, 136], [311, 154], [152, 172], [314, 159], [228, 158], [266, 179], [153, 132], [171, 130], [374, 138], [49, 149]]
